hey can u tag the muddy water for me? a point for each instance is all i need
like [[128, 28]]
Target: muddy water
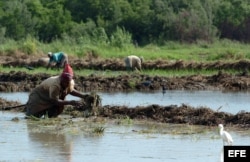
[[232, 102], [25, 141]]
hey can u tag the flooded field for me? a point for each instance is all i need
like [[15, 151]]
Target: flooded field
[[73, 139], [232, 102], [26, 140], [141, 134]]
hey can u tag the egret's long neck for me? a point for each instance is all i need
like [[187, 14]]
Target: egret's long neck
[[221, 130]]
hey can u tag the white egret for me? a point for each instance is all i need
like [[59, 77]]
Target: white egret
[[227, 138]]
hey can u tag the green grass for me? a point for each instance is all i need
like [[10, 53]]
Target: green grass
[[224, 50], [110, 73]]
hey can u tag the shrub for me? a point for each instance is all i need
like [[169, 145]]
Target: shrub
[[29, 46], [121, 38]]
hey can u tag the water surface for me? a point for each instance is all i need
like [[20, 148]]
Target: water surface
[[232, 102], [22, 141]]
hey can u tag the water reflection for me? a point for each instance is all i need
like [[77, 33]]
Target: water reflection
[[24, 140], [50, 146]]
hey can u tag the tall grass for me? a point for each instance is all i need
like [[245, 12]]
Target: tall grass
[[119, 45], [221, 50]]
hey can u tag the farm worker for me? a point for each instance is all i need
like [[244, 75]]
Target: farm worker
[[133, 62], [48, 98], [59, 58]]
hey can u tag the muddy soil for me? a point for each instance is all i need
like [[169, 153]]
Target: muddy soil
[[21, 81], [183, 114]]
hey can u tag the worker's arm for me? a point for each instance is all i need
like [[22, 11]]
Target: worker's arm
[[77, 94], [54, 93], [71, 102]]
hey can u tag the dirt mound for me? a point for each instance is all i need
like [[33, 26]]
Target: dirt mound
[[10, 105], [175, 114], [165, 114], [21, 81], [118, 63], [222, 81]]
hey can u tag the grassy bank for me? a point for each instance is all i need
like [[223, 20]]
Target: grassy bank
[[224, 50], [110, 73]]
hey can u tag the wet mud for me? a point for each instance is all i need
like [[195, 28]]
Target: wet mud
[[24, 82], [220, 81], [183, 114], [21, 81]]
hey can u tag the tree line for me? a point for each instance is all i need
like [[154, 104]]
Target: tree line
[[116, 21]]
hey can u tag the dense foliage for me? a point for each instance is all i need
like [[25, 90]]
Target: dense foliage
[[123, 21]]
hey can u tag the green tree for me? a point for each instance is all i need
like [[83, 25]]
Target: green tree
[[232, 17], [57, 22], [195, 22], [17, 19], [146, 21], [139, 20]]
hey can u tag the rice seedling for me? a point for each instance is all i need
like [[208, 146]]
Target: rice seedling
[[98, 130]]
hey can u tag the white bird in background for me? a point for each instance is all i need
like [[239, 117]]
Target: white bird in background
[[227, 138]]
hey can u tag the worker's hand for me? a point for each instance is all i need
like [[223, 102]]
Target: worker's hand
[[75, 103]]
